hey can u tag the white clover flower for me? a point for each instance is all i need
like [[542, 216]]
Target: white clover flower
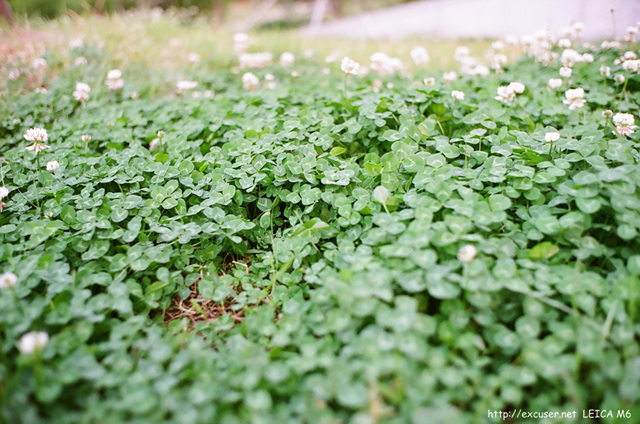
[[632, 65], [250, 82], [385, 65], [552, 137], [4, 192], [460, 53], [605, 71], [555, 83], [40, 90], [619, 78], [505, 94], [587, 58], [449, 77], [295, 74], [615, 44], [287, 59], [134, 95], [184, 85], [607, 113], [467, 253], [114, 79], [38, 136], [193, 57], [8, 279], [32, 341], [85, 137], [80, 61], [81, 92], [240, 42], [497, 45], [629, 55], [574, 97], [517, 87], [625, 123], [52, 165], [429, 82], [564, 43], [458, 95], [566, 72], [39, 63], [255, 60], [480, 70], [419, 55], [349, 66]]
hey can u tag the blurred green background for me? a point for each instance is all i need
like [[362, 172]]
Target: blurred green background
[[54, 8]]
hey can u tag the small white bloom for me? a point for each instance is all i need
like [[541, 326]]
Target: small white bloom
[[566, 72], [461, 52], [40, 64], [517, 87], [38, 136], [429, 82], [81, 92], [555, 83], [458, 95], [629, 55], [619, 78], [467, 253], [85, 137], [605, 71], [574, 97], [14, 74], [419, 55], [114, 79], [287, 59], [240, 42], [80, 61], [184, 85], [4, 192], [505, 94], [255, 60], [8, 279], [295, 74], [449, 77], [587, 58], [53, 165], [497, 45], [250, 82], [564, 43], [607, 113], [632, 65], [625, 123], [32, 341], [552, 137], [269, 77], [193, 58], [349, 66]]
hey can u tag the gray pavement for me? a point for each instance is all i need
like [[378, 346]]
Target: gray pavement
[[486, 18]]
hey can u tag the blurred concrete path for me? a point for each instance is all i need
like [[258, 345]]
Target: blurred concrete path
[[486, 18]]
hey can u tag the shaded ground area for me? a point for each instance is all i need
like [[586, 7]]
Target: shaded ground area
[[486, 18]]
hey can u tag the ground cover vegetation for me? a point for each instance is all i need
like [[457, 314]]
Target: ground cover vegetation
[[304, 237]]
